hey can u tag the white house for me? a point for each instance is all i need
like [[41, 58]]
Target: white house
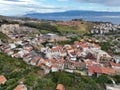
[[12, 45], [55, 52], [115, 66], [54, 68]]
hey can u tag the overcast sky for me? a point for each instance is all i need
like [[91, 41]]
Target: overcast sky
[[21, 7]]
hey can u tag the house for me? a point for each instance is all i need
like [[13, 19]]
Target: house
[[47, 63], [12, 45], [55, 52], [51, 36], [2, 79], [80, 65], [21, 86], [19, 42], [73, 56], [115, 66], [60, 87], [108, 71], [84, 46], [10, 53], [15, 55], [54, 68], [94, 69], [88, 62], [117, 50], [46, 69], [117, 59], [22, 53], [67, 47], [63, 53], [102, 56], [28, 48], [40, 62], [98, 70], [69, 71], [112, 87], [60, 63], [35, 60]]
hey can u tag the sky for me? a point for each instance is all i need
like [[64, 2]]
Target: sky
[[21, 7]]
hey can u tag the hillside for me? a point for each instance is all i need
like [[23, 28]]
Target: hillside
[[4, 37], [15, 70], [82, 28]]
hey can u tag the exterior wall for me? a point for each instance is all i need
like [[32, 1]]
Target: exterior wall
[[54, 69], [51, 54], [116, 67], [112, 88]]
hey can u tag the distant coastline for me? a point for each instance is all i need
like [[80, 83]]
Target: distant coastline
[[113, 17]]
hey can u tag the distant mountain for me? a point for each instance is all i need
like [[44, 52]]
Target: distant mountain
[[76, 14]]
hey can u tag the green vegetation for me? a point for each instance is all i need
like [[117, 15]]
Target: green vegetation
[[70, 81], [105, 46], [71, 41], [16, 70], [4, 21], [73, 29], [117, 53], [80, 29], [43, 27], [3, 37]]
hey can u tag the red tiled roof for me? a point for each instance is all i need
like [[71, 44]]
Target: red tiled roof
[[62, 51], [35, 59], [94, 69], [96, 46], [114, 64], [80, 64], [99, 69], [108, 70], [76, 42], [56, 48], [39, 64], [83, 45], [27, 54], [2, 79], [20, 87], [61, 60], [60, 87], [54, 66], [53, 60], [88, 62]]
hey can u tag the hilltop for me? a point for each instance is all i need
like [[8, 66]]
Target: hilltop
[[77, 26], [62, 27]]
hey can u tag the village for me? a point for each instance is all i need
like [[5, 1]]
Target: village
[[83, 56], [105, 28]]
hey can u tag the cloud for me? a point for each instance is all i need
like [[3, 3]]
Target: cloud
[[104, 2], [17, 7], [13, 0]]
